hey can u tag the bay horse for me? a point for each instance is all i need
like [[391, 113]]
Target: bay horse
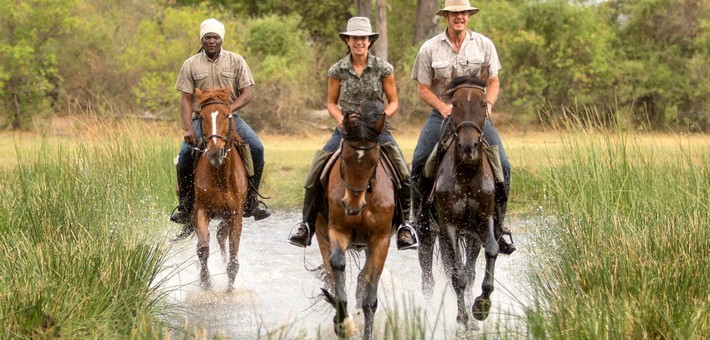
[[220, 182], [361, 203], [464, 191]]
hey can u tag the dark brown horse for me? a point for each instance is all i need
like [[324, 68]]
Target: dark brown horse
[[361, 203], [220, 182], [464, 191]]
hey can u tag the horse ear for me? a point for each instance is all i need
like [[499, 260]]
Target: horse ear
[[381, 121], [454, 74], [485, 74], [228, 90], [198, 92]]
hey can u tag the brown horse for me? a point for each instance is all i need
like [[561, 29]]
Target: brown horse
[[361, 203], [220, 182], [464, 192]]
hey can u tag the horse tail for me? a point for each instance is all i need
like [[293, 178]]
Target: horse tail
[[328, 297]]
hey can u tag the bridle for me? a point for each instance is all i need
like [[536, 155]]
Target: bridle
[[228, 141], [372, 175], [467, 123]]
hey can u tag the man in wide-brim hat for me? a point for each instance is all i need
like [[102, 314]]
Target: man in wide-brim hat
[[456, 51]]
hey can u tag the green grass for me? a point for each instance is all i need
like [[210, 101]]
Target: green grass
[[627, 253], [621, 251]]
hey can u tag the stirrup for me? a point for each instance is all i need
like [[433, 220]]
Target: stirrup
[[506, 248], [296, 242], [412, 232], [187, 230]]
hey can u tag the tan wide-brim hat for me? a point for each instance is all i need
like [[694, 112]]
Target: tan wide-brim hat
[[457, 6], [359, 27]]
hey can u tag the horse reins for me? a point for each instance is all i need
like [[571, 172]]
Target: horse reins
[[372, 176]]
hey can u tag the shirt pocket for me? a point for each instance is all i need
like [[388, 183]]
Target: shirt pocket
[[442, 69], [199, 76], [473, 65]]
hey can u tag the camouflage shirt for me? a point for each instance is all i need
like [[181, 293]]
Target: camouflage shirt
[[201, 72], [368, 86], [437, 59]]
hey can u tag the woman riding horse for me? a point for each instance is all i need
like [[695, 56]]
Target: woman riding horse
[[361, 203]]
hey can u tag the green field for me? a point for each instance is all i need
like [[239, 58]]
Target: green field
[[621, 243]]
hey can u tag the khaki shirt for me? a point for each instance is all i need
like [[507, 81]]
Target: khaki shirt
[[201, 72], [368, 86], [437, 59]]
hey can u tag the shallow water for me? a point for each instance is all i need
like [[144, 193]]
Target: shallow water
[[275, 292]]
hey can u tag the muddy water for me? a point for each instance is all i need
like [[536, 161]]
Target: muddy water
[[275, 292]]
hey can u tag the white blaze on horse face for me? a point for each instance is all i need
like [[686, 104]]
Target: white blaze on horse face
[[360, 154], [214, 124]]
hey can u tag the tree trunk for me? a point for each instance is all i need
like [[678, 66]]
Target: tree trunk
[[380, 48], [425, 25], [363, 8]]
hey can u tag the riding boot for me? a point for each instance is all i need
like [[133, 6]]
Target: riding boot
[[252, 206], [307, 227], [186, 197], [406, 235], [501, 207]]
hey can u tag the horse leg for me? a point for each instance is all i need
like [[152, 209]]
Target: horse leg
[[473, 248], [235, 235], [222, 235], [482, 305], [448, 244], [427, 239], [368, 281], [343, 324], [203, 247]]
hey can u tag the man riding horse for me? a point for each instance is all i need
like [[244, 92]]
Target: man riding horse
[[214, 67], [456, 51]]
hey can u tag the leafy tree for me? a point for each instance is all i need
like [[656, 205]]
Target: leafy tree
[[554, 52], [284, 68], [30, 37], [662, 68]]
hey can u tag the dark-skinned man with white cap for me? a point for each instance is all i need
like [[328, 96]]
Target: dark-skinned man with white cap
[[214, 67]]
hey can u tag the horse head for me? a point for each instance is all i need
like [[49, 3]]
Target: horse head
[[468, 116], [217, 125], [360, 153]]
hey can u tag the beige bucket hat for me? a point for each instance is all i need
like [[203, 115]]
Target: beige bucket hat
[[359, 27], [457, 6]]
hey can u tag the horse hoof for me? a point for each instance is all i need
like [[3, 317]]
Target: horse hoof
[[480, 308], [346, 328]]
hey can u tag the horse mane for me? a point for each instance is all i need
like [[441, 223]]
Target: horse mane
[[215, 94], [363, 123], [460, 81]]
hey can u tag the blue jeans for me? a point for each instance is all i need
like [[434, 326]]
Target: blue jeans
[[335, 139], [186, 160], [433, 130]]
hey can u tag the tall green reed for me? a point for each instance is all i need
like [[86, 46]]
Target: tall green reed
[[627, 255], [75, 256]]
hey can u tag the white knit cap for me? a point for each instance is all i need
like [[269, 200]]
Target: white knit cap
[[211, 26]]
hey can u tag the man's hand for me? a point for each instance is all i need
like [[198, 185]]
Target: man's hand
[[189, 136], [445, 110]]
